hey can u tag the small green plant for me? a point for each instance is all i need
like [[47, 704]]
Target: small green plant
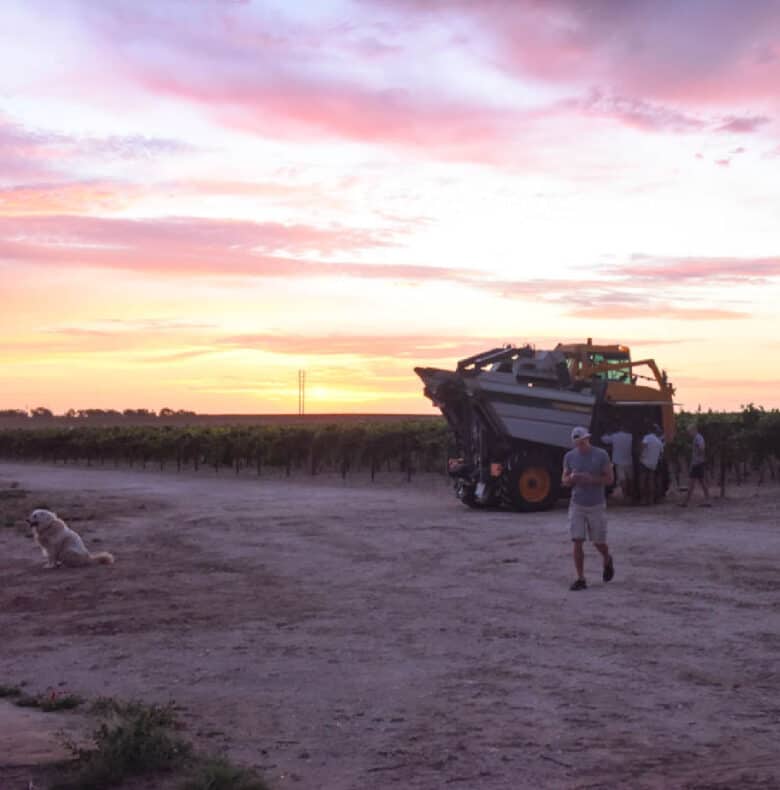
[[59, 700], [164, 715], [217, 773], [10, 691], [134, 740], [52, 700]]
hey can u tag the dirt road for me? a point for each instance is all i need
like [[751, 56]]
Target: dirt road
[[345, 637]]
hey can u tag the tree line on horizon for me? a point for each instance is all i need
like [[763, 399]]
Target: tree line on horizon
[[42, 413]]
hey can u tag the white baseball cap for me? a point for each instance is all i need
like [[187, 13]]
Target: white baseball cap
[[579, 433]]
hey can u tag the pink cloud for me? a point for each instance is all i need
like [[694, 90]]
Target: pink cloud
[[639, 114], [708, 269], [197, 246], [278, 91], [35, 154], [712, 52], [184, 233], [204, 246], [252, 69], [285, 105], [744, 124]]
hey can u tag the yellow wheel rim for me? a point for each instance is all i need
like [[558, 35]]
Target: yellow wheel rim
[[534, 484]]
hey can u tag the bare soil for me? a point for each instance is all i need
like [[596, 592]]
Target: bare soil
[[344, 636]]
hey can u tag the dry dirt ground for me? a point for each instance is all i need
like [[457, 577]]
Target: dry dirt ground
[[349, 636]]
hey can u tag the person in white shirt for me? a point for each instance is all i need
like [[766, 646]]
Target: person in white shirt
[[649, 457], [622, 457]]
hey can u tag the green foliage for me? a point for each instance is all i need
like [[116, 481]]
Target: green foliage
[[52, 700], [218, 774], [406, 445], [134, 740], [739, 441], [59, 701]]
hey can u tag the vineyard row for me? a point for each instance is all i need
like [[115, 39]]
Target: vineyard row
[[408, 447], [737, 442]]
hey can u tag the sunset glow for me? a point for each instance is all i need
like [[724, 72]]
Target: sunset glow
[[198, 198]]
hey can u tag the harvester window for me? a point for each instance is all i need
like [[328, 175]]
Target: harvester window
[[616, 374]]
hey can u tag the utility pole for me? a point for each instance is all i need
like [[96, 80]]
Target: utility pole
[[301, 392]]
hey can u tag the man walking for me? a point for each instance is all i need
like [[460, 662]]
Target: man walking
[[697, 468], [586, 470]]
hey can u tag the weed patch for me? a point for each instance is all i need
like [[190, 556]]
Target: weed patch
[[218, 774], [50, 701], [134, 740], [163, 715]]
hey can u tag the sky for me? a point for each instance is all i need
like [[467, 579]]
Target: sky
[[199, 198]]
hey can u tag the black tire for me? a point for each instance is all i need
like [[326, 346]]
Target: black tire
[[531, 484]]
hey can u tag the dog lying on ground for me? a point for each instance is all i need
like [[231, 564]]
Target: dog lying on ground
[[60, 544]]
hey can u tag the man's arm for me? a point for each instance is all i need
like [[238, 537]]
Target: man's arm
[[567, 477], [608, 474]]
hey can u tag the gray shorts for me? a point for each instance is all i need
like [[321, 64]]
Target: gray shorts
[[624, 473], [588, 523]]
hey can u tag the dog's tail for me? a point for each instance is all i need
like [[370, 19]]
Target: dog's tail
[[102, 557]]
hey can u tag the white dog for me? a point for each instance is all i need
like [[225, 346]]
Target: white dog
[[60, 544]]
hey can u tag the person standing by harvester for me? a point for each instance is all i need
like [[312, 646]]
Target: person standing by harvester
[[587, 470], [649, 458], [622, 457], [697, 471]]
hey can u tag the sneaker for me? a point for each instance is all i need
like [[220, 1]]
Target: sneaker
[[609, 570], [580, 584]]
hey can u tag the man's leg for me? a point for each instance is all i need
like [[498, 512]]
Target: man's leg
[[705, 489], [598, 531], [651, 487], [609, 568], [626, 485], [579, 557], [691, 484]]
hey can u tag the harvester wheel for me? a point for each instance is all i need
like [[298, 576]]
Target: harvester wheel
[[531, 484]]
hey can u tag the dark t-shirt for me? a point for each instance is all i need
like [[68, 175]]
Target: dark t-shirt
[[595, 462]]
